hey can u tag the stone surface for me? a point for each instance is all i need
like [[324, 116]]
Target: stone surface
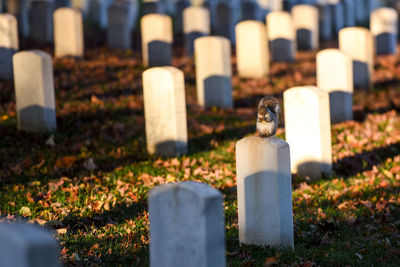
[[384, 28], [325, 18], [41, 21], [358, 43], [20, 9], [27, 245], [121, 20], [281, 36], [308, 131], [225, 21], [180, 6], [8, 44], [349, 13], [165, 111], [305, 21], [337, 10], [97, 14], [157, 38], [187, 226], [252, 49], [196, 23], [213, 72], [68, 32], [335, 75], [264, 191], [251, 10], [34, 91]]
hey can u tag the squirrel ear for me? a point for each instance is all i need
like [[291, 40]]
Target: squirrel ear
[[277, 108]]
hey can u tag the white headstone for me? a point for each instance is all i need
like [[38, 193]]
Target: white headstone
[[335, 75], [358, 43], [384, 28], [196, 23], [213, 72], [281, 36], [26, 245], [68, 32], [8, 44], [41, 17], [157, 38], [252, 49], [165, 111], [121, 19], [264, 189], [186, 226], [308, 131], [305, 20], [34, 91]]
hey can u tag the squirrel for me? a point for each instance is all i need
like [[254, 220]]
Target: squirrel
[[268, 116]]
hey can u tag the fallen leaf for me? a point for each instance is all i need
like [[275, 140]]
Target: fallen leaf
[[271, 261]]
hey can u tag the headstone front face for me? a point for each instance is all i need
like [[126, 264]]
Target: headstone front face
[[281, 36], [27, 245], [41, 16], [335, 75], [165, 111], [121, 19], [349, 13], [252, 49], [264, 191], [325, 18], [213, 72], [337, 15], [34, 91], [97, 14], [305, 20], [196, 23], [68, 32], [20, 9], [384, 27], [186, 226], [226, 19], [157, 37], [8, 44], [358, 43], [308, 131]]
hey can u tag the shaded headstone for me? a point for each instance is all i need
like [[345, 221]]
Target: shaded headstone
[[165, 111], [68, 32], [196, 23], [213, 72], [151, 7], [264, 192], [62, 3], [180, 7], [281, 36], [8, 44], [252, 49], [305, 20], [384, 27], [187, 226], [157, 38], [325, 18], [251, 10], [225, 21], [97, 14], [41, 17], [121, 19], [337, 15], [308, 131], [358, 43], [335, 75], [20, 9], [349, 13], [34, 91], [26, 245]]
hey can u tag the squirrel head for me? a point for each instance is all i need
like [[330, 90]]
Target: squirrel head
[[268, 109]]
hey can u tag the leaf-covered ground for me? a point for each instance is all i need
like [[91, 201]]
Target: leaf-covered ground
[[89, 181]]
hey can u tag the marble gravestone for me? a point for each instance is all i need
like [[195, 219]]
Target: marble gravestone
[[196, 23], [338, 83], [68, 32], [308, 131], [305, 20], [213, 72], [8, 44], [252, 54], [358, 43], [384, 28], [187, 226], [34, 91], [264, 189], [281, 36], [165, 111], [27, 245], [157, 38]]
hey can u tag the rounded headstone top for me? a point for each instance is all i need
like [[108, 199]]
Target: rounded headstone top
[[200, 189], [25, 234]]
